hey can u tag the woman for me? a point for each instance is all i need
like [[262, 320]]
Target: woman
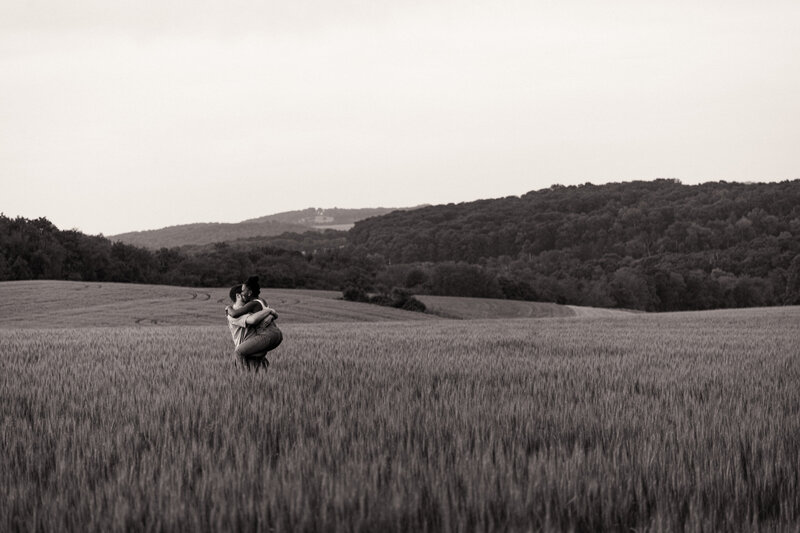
[[263, 336]]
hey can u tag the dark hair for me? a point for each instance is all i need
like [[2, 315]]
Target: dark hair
[[236, 289], [252, 284]]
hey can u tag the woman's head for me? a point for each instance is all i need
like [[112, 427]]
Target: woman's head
[[250, 288]]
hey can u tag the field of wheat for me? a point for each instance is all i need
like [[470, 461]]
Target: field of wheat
[[638, 422]]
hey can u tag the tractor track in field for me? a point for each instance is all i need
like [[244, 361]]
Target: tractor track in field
[[202, 296]]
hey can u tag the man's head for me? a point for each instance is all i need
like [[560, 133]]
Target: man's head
[[235, 291]]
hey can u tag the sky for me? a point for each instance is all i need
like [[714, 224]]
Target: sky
[[129, 115]]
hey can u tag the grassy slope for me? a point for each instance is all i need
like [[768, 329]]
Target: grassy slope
[[80, 304]]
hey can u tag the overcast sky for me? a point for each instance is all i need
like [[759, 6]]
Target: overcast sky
[[115, 116]]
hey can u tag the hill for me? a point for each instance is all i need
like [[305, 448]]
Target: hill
[[71, 304], [267, 226], [636, 219], [657, 245], [335, 218], [203, 233]]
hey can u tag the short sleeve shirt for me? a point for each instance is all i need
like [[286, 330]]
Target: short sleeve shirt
[[238, 327]]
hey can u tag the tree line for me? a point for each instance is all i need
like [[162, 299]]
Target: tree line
[[37, 249], [656, 246]]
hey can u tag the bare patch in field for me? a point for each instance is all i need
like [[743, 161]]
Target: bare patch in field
[[471, 308], [597, 312]]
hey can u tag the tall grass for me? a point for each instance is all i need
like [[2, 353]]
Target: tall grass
[[667, 422]]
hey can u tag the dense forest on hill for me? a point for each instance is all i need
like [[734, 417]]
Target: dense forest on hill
[[37, 249], [643, 245], [654, 245], [638, 219]]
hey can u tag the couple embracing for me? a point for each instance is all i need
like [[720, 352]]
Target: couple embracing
[[252, 324]]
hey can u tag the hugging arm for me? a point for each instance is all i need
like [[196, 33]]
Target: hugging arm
[[250, 307], [251, 315], [265, 315]]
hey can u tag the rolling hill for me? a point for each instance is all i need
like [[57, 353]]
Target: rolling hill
[[267, 226], [203, 233], [335, 218]]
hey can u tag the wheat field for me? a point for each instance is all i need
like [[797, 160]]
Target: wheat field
[[685, 421]]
